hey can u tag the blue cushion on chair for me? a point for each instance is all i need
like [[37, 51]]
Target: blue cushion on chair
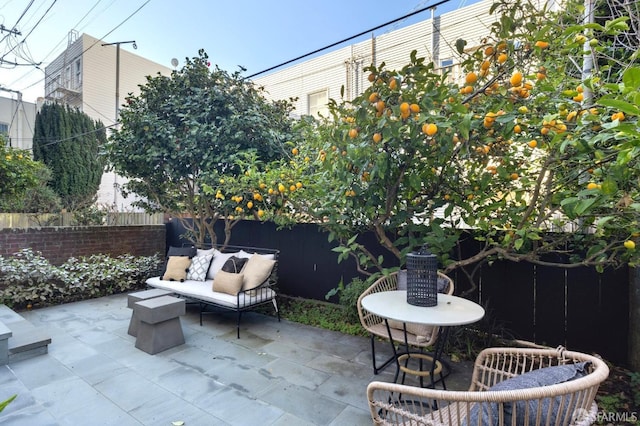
[[537, 378]]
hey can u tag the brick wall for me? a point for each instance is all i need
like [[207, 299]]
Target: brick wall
[[57, 244]]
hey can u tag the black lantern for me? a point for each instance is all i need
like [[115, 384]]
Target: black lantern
[[422, 278]]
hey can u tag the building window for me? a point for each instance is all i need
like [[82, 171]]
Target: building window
[[318, 102], [67, 78], [4, 129], [447, 66], [78, 74]]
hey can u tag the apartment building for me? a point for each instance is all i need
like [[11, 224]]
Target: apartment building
[[317, 80], [84, 76], [17, 119]]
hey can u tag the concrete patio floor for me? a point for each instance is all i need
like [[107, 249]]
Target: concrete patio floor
[[277, 373]]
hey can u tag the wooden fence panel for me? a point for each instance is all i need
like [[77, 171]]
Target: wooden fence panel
[[578, 308], [550, 306], [507, 290]]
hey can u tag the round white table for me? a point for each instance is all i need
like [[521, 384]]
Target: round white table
[[450, 311]]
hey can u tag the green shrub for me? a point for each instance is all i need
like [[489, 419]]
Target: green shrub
[[27, 278], [348, 297]]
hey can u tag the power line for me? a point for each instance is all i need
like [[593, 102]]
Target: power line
[[351, 38]]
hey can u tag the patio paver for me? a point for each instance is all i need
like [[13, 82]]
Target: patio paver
[[278, 373]]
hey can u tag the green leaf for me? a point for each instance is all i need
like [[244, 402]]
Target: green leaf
[[460, 45], [631, 78], [623, 106], [518, 243], [584, 205]]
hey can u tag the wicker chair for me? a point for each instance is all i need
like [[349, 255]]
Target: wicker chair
[[378, 329], [568, 403]]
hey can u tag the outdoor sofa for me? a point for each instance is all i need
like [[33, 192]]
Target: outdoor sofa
[[234, 278]]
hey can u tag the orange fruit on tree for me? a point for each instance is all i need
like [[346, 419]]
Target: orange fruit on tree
[[298, 185], [429, 129], [517, 129], [393, 84], [485, 65], [541, 44], [292, 188], [353, 133], [373, 97], [489, 51], [592, 186], [380, 106], [377, 137], [471, 78], [260, 213], [372, 77], [415, 108], [533, 143], [502, 58], [579, 97], [295, 151], [514, 176], [404, 107], [516, 79]]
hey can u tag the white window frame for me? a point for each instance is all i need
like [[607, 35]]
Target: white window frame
[[316, 108]]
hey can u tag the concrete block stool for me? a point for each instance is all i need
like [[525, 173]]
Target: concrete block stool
[[139, 296], [159, 327]]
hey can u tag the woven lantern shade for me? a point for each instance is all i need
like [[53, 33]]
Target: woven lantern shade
[[422, 278]]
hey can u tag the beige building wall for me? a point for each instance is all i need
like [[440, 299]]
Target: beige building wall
[[17, 119], [434, 39], [84, 76]]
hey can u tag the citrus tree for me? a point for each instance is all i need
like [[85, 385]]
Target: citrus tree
[[185, 140], [19, 173], [533, 153]]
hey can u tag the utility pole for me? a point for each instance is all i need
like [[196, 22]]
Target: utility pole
[[3, 29], [587, 58], [117, 44]]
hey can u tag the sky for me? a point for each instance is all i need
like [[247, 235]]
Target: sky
[[254, 34]]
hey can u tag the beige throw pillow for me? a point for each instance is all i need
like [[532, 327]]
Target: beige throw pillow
[[226, 282], [177, 268], [422, 332], [256, 271]]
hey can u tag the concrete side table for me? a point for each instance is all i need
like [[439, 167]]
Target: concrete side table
[[139, 296], [159, 327]]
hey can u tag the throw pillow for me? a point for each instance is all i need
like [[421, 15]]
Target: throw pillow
[[402, 279], [178, 251], [422, 332], [234, 264], [226, 282], [205, 252], [177, 268], [256, 271], [537, 378], [182, 251], [219, 260], [199, 267]]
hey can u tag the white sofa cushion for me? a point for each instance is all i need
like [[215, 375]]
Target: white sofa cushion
[[202, 290]]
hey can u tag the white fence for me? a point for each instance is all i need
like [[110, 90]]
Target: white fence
[[33, 220]]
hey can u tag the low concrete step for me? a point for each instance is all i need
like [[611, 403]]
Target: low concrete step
[[25, 341]]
